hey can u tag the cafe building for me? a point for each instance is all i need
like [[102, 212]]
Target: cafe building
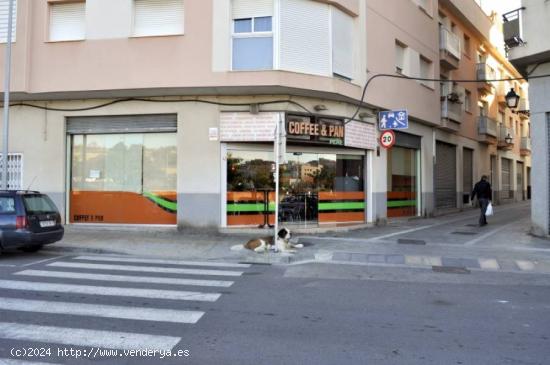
[[322, 178]]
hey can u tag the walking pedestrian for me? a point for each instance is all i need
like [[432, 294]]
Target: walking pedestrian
[[482, 190]]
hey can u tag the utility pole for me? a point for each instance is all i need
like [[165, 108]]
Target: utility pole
[[7, 76]]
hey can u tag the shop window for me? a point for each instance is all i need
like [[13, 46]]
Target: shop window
[[4, 12], [158, 17], [315, 188], [67, 21], [402, 182], [253, 43], [124, 178]]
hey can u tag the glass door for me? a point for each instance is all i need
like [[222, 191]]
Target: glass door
[[402, 182], [299, 188]]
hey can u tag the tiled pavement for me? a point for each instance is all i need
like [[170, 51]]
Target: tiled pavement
[[429, 261]]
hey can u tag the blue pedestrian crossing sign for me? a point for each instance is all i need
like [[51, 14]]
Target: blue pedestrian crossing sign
[[393, 119]]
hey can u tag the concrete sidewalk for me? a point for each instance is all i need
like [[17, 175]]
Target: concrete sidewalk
[[452, 240]]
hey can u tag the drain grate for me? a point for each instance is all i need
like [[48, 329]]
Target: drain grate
[[465, 233], [406, 241], [451, 269]]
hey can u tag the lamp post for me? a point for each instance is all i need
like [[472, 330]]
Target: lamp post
[[7, 74]]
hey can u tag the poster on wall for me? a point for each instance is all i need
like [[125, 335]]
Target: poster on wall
[[360, 135], [248, 127]]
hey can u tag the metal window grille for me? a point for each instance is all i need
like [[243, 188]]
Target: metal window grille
[[15, 170]]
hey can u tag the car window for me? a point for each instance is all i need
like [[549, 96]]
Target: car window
[[38, 204], [7, 204]]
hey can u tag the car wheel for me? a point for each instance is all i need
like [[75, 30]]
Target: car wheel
[[32, 248]]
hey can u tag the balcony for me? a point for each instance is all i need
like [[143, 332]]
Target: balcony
[[525, 146], [501, 91], [511, 28], [449, 49], [505, 133], [487, 130], [485, 72], [523, 108], [451, 115]]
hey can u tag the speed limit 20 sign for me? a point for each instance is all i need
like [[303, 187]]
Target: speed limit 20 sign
[[387, 139]]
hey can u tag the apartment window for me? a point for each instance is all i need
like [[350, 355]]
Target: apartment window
[[253, 43], [426, 70], [67, 21], [424, 5], [252, 35], [501, 118], [468, 101], [483, 108], [400, 50], [466, 46], [158, 17], [4, 12]]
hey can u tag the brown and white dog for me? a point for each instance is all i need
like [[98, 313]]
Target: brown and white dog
[[282, 244]]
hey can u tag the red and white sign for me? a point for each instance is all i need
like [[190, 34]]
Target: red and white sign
[[387, 139]]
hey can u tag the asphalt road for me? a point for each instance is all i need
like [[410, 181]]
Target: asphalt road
[[62, 307]]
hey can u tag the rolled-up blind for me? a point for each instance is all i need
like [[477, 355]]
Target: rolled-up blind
[[122, 124], [67, 21], [158, 17], [251, 8], [4, 12]]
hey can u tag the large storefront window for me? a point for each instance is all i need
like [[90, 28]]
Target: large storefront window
[[315, 188], [123, 178], [402, 182]]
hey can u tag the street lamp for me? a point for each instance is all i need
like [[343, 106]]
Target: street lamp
[[508, 139], [512, 99]]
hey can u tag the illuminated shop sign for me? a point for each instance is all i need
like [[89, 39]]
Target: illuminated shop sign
[[314, 129]]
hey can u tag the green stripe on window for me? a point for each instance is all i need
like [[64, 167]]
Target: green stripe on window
[[251, 207], [167, 204], [342, 206], [401, 203]]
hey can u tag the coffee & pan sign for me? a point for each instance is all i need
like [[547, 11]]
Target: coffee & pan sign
[[315, 129]]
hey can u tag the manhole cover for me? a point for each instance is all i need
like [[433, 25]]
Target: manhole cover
[[465, 233], [451, 269], [405, 241]]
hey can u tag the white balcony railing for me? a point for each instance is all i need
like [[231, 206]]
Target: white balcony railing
[[452, 111], [526, 143], [448, 41], [487, 126], [485, 72]]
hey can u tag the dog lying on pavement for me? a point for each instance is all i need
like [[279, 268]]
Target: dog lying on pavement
[[282, 243]]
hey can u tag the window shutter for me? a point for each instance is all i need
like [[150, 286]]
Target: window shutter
[[252, 8], [158, 17], [4, 12], [305, 37], [67, 21], [342, 43]]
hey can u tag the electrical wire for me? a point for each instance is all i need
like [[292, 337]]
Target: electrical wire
[[160, 101], [362, 100]]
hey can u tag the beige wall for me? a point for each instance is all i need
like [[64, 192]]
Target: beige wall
[[112, 62]]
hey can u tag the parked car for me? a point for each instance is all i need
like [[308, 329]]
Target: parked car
[[28, 220]]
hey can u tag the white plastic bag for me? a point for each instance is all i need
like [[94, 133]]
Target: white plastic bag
[[489, 210]]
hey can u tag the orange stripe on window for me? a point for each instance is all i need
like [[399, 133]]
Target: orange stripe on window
[[341, 195], [403, 195], [341, 217]]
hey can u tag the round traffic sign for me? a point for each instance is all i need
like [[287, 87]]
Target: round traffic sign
[[387, 138]]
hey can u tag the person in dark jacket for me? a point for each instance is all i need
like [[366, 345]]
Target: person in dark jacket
[[484, 194]]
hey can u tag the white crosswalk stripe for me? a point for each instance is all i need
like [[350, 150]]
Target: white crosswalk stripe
[[86, 338], [151, 269], [124, 278], [162, 261], [93, 278], [108, 290], [96, 310]]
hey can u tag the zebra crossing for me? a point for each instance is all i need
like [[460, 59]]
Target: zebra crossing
[[99, 279]]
